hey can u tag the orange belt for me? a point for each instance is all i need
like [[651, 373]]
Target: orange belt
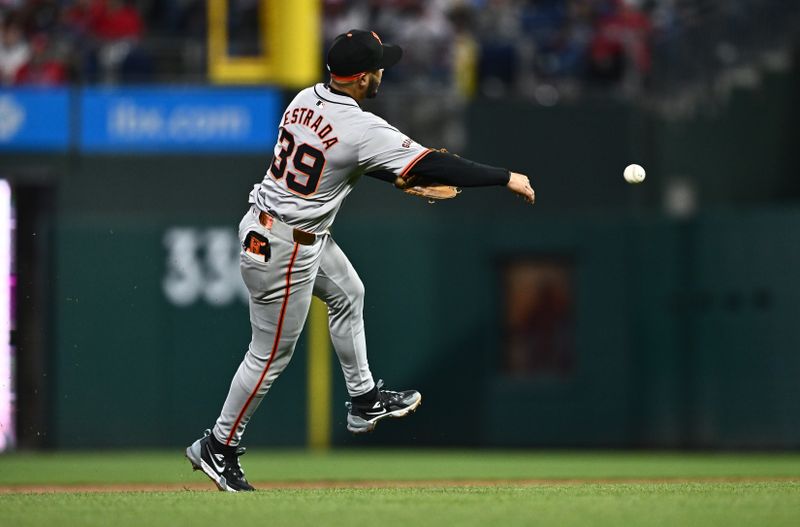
[[301, 237]]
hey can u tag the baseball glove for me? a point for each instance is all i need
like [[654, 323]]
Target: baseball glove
[[415, 185]]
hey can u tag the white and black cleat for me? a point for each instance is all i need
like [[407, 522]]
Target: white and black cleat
[[362, 418], [219, 462]]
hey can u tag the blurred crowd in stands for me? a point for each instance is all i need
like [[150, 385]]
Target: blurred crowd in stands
[[486, 46], [50, 42], [499, 46], [474, 47]]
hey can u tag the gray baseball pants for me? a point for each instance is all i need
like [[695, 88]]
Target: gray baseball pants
[[280, 297]]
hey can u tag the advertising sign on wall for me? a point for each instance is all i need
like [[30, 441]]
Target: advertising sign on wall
[[176, 119], [34, 119]]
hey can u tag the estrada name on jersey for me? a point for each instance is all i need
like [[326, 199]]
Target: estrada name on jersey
[[325, 143], [303, 116]]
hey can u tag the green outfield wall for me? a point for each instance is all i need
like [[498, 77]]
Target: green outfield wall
[[683, 335], [679, 332]]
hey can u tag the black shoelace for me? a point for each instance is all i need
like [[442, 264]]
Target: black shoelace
[[232, 460], [386, 397], [389, 397]]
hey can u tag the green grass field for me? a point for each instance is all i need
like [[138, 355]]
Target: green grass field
[[410, 488]]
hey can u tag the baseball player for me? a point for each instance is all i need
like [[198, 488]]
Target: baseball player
[[326, 142]]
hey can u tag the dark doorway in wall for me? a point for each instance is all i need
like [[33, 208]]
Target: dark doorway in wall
[[32, 296]]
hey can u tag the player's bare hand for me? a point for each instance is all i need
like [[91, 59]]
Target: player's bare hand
[[521, 186]]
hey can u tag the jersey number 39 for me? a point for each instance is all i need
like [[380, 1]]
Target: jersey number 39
[[307, 165]]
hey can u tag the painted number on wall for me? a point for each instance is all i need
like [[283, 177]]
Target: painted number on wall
[[202, 265]]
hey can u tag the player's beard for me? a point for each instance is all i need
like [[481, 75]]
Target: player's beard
[[372, 88]]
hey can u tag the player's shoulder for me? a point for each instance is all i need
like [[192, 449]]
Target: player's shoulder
[[375, 121], [305, 94]]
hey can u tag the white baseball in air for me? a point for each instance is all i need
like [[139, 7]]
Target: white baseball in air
[[634, 174]]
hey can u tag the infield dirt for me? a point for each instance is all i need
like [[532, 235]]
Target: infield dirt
[[376, 484]]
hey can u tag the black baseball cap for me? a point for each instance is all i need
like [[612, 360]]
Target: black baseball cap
[[357, 51]]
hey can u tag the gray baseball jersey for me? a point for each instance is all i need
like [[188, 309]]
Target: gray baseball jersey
[[325, 143]]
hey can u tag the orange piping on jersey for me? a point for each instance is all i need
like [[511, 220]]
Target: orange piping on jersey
[[347, 78], [275, 343], [414, 162]]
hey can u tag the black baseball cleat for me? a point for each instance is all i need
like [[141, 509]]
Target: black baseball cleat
[[362, 417], [219, 462]]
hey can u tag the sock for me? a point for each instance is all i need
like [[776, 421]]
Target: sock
[[366, 398], [221, 447]]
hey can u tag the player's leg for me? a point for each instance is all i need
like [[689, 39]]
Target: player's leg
[[338, 285], [276, 321], [280, 294]]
